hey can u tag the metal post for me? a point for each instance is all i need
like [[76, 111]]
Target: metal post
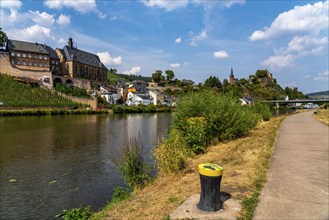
[[210, 179]]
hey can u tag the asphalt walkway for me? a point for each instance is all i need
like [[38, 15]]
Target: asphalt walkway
[[297, 184]]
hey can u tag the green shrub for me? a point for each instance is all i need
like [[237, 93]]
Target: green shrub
[[76, 214], [196, 134], [171, 153], [263, 110], [129, 159], [225, 118], [120, 194]]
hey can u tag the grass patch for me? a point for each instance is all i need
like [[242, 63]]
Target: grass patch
[[245, 163], [323, 116]]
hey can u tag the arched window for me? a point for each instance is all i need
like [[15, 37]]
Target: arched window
[[67, 68]]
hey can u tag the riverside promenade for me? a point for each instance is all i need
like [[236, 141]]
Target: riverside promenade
[[297, 184]]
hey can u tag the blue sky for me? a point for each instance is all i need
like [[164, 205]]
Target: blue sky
[[194, 38]]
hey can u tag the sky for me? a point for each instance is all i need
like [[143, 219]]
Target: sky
[[194, 38]]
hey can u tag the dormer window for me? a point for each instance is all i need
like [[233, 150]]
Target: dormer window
[[18, 55], [12, 54], [29, 55], [24, 55], [45, 57], [40, 57]]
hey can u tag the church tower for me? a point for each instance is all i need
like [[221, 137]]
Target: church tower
[[232, 80], [70, 43]]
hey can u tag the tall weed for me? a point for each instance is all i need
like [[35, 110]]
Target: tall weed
[[130, 161]]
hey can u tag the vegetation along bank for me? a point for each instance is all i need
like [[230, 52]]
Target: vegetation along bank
[[206, 127]]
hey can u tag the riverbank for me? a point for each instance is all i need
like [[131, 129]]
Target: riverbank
[[8, 111], [322, 115], [245, 163], [39, 112]]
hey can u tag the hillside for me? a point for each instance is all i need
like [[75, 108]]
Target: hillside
[[114, 78], [16, 94], [323, 94]]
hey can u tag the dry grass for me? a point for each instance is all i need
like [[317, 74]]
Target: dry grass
[[323, 116], [245, 163]]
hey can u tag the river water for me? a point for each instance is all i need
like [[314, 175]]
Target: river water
[[52, 163]]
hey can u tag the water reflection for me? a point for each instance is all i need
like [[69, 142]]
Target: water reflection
[[61, 162]]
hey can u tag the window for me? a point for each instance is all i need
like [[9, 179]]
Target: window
[[12, 54], [13, 62], [45, 64], [45, 57], [24, 55], [29, 62], [34, 64], [18, 62], [56, 62], [24, 62], [40, 57], [52, 62], [40, 64], [29, 55], [18, 55], [35, 56]]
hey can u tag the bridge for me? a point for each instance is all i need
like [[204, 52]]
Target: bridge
[[278, 102]]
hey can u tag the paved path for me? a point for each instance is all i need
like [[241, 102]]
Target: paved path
[[298, 179]]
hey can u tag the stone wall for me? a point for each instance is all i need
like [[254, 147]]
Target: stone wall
[[7, 68], [91, 102]]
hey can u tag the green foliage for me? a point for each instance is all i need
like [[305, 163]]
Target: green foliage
[[213, 81], [76, 214], [225, 118], [120, 194], [169, 75], [39, 112], [117, 109], [3, 37], [15, 94], [196, 134], [71, 90], [263, 110], [129, 159], [250, 205], [293, 93], [157, 76], [171, 153]]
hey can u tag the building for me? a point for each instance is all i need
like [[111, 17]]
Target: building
[[77, 63], [32, 56], [233, 81]]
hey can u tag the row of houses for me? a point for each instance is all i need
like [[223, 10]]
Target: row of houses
[[135, 93], [69, 62]]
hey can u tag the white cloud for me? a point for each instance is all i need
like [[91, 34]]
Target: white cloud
[[11, 4], [171, 5], [83, 7], [221, 54], [174, 65], [63, 20], [168, 5], [279, 61], [196, 38], [323, 76], [306, 45], [307, 76], [134, 71], [33, 33], [108, 60], [178, 40], [306, 19], [43, 18]]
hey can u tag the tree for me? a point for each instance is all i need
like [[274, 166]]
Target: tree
[[3, 37], [225, 85], [170, 75], [114, 71], [261, 73], [157, 76], [213, 81]]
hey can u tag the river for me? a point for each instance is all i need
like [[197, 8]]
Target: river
[[52, 163]]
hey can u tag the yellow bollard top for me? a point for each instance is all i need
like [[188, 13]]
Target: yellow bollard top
[[210, 169]]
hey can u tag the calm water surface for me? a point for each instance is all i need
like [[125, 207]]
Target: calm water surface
[[51, 163]]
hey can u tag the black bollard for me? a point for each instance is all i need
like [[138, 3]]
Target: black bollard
[[210, 178]]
